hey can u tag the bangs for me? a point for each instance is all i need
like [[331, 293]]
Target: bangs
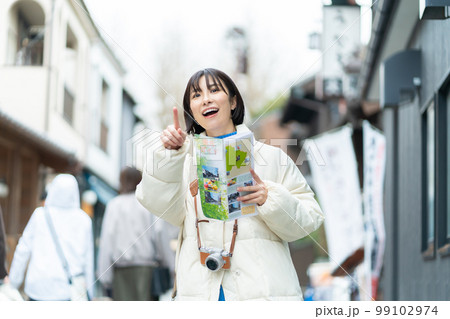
[[210, 78], [213, 78]]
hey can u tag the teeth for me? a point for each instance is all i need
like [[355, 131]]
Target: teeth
[[209, 111]]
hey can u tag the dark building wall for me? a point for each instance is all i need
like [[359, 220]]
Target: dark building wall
[[432, 38], [433, 275], [406, 274], [411, 281]]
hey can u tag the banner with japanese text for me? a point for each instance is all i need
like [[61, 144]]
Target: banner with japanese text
[[374, 149], [336, 184]]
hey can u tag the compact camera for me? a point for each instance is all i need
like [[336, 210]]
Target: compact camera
[[214, 258]]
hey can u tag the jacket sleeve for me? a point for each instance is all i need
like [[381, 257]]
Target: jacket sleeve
[[3, 272], [163, 188], [290, 210], [23, 252]]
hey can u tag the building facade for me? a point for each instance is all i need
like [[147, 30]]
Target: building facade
[[62, 102], [407, 74]]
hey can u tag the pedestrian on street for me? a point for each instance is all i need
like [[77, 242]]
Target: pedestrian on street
[[127, 255], [165, 238], [261, 265], [3, 272], [7, 292], [47, 277]]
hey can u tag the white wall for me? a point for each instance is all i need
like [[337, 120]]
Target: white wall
[[6, 27], [22, 94], [23, 89], [106, 165], [59, 128]]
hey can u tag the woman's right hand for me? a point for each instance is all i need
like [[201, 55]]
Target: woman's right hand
[[173, 136]]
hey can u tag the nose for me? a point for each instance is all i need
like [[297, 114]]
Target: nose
[[206, 98]]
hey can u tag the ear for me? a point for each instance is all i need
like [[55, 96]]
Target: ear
[[233, 103]]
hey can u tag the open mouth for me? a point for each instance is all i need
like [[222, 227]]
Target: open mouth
[[210, 112]]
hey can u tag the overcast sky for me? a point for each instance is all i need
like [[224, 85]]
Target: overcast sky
[[279, 30]]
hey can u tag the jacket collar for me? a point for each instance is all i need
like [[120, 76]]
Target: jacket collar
[[241, 128]]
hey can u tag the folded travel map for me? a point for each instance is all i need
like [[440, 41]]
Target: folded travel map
[[223, 165]]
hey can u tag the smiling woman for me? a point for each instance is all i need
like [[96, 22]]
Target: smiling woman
[[259, 266], [210, 97]]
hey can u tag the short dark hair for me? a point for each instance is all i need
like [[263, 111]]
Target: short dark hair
[[219, 79], [129, 179]]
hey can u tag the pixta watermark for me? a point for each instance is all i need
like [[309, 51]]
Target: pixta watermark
[[145, 151]]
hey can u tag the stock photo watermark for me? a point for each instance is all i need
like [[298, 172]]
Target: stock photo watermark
[[145, 150]]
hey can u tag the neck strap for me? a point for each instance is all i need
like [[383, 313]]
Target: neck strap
[[194, 190]]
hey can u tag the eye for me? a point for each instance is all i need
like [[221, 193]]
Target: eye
[[214, 90], [195, 94]]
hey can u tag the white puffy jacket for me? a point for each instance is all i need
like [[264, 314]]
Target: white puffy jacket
[[45, 275], [261, 266]]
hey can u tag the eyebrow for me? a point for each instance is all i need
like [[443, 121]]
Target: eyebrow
[[211, 82], [213, 85], [210, 86]]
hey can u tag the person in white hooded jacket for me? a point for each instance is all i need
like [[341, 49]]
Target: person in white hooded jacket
[[46, 278], [261, 265]]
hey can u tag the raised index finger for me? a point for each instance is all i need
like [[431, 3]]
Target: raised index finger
[[176, 123]]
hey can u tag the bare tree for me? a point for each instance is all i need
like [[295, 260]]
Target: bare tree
[[255, 64], [253, 68], [170, 75]]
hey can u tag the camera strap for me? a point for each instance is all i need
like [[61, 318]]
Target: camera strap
[[194, 190]]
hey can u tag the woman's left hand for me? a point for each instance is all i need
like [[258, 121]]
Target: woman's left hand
[[258, 193]]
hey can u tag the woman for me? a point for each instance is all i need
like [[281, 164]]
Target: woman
[[46, 278], [3, 272], [126, 243], [261, 266], [7, 293]]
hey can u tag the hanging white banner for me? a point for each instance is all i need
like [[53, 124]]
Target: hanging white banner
[[374, 148], [337, 186]]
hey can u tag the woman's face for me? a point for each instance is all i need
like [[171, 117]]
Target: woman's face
[[211, 107]]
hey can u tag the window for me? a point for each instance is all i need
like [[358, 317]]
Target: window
[[447, 104], [428, 186], [430, 173], [26, 34], [443, 169], [70, 76], [68, 106], [104, 127], [70, 60]]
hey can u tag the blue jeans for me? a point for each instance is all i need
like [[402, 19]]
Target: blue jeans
[[221, 294]]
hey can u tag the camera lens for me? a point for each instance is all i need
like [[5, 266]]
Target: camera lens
[[212, 264]]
